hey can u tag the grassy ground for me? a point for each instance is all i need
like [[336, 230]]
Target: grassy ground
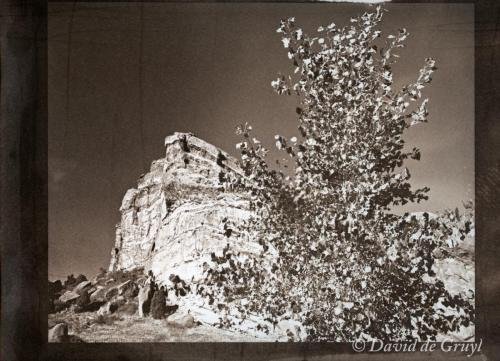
[[115, 328]]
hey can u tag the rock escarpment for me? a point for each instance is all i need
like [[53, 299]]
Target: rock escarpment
[[180, 212]]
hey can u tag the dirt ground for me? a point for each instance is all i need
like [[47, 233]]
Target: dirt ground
[[127, 328]]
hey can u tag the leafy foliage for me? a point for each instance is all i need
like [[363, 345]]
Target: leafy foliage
[[334, 257]]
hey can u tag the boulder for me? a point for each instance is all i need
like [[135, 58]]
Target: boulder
[[182, 320], [128, 289], [106, 309], [118, 301], [112, 292], [112, 305], [68, 296], [85, 285], [99, 294], [58, 333]]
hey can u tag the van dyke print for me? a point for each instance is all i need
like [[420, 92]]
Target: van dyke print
[[323, 229]]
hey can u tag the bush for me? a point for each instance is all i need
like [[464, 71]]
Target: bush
[[54, 292], [159, 304], [82, 302], [120, 276], [334, 256], [71, 281]]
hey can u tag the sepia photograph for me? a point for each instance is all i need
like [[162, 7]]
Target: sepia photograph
[[261, 172]]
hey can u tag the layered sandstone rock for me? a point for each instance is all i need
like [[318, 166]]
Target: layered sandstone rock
[[180, 212]]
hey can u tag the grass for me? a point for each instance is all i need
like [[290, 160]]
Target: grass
[[129, 308], [107, 319], [137, 329]]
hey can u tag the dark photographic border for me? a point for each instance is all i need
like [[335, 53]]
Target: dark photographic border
[[23, 217]]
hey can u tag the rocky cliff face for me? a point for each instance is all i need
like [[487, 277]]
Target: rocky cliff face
[[180, 212]]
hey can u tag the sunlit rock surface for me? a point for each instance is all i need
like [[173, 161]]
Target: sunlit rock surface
[[180, 212]]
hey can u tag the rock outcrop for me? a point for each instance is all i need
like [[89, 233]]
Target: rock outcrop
[[180, 212], [58, 333]]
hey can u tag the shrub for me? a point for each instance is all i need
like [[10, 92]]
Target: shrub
[[82, 302], [71, 281], [120, 276], [159, 304]]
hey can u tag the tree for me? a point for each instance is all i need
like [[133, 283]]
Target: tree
[[334, 256]]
